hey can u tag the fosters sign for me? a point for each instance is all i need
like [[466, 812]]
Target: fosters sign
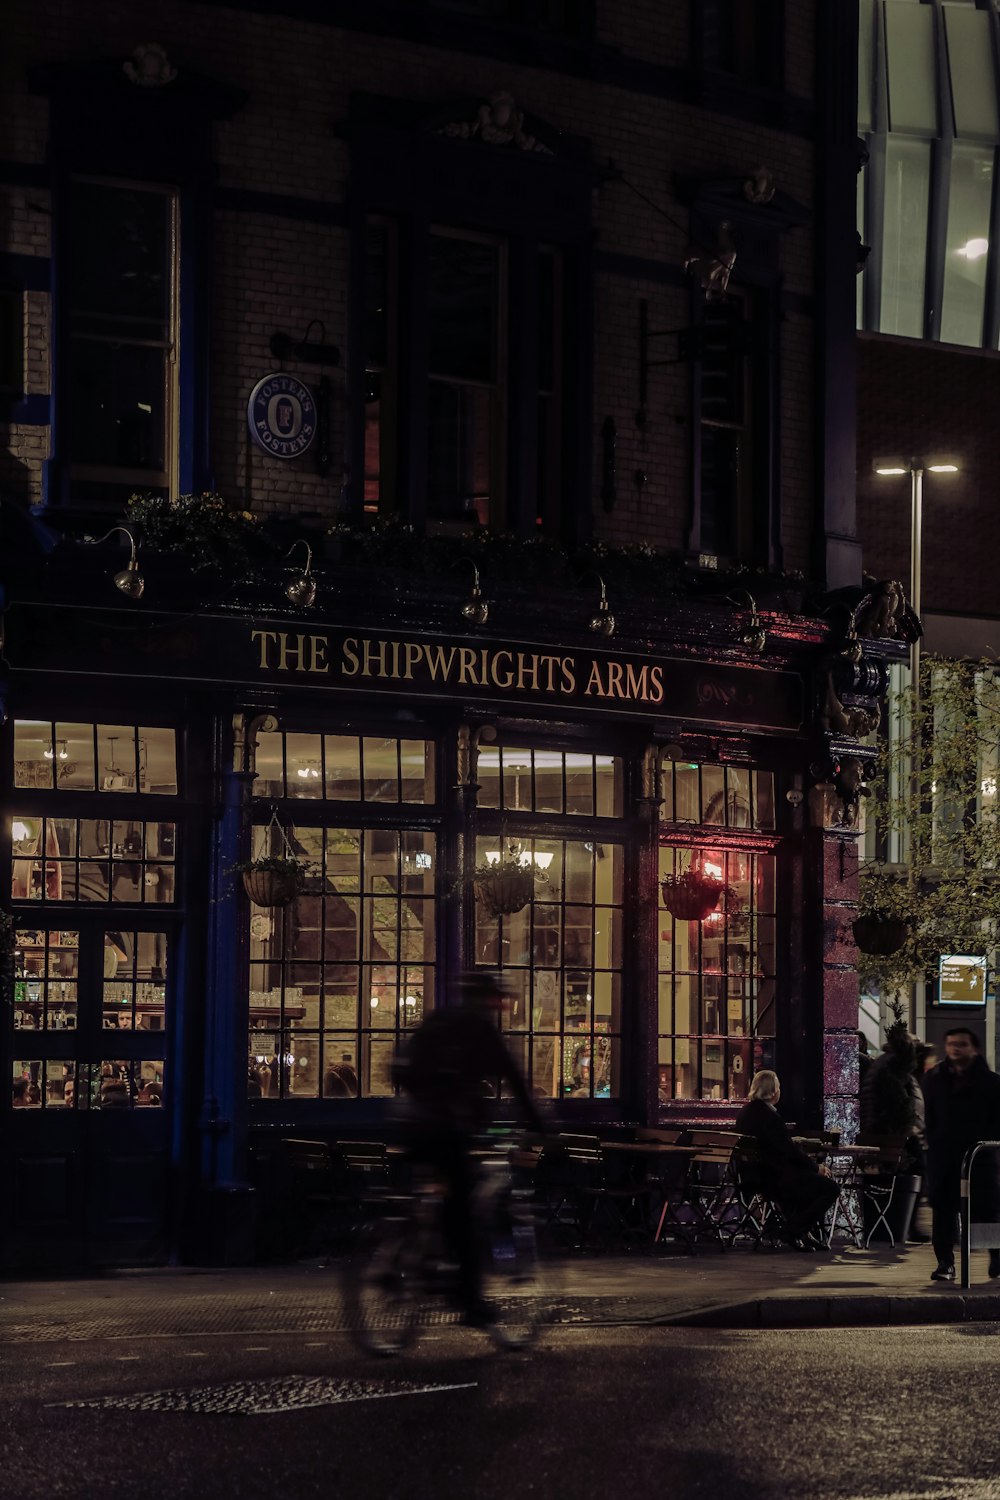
[[529, 673]]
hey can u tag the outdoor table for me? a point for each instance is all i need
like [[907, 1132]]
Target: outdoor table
[[649, 1148]]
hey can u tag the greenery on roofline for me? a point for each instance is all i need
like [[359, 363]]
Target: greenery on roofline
[[935, 806]]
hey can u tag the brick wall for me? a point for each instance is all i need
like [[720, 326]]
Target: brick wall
[[273, 273]]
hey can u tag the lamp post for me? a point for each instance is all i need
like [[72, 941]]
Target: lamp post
[[916, 468]]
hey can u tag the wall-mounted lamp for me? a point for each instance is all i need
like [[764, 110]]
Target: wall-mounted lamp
[[309, 351], [603, 621], [128, 579], [755, 636], [301, 587], [476, 609]]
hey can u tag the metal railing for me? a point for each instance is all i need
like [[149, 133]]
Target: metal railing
[[978, 1236]]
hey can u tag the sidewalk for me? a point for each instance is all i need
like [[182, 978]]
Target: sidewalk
[[739, 1288]]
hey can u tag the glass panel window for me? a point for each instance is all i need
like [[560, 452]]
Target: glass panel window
[[380, 365], [122, 338], [904, 246], [517, 779], [46, 979], [465, 363], [345, 768], [717, 978], [910, 53], [93, 859], [725, 796], [972, 70], [64, 755], [339, 977], [135, 975], [966, 256], [562, 958]]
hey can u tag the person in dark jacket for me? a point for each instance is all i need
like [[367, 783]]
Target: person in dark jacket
[[452, 1069], [803, 1191], [962, 1106]]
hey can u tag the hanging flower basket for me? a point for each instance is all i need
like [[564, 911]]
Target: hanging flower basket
[[503, 888], [693, 896], [272, 882], [880, 935]]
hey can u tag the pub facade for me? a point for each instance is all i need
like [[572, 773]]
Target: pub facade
[[521, 583]]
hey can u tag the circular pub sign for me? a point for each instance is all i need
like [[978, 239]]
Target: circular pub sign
[[282, 416]]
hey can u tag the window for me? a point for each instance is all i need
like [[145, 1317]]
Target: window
[[522, 779], [68, 1083], [92, 859], [479, 316], [742, 38], [84, 757], [725, 427], [339, 977], [717, 979], [122, 337], [345, 768], [46, 979], [717, 976], [562, 958]]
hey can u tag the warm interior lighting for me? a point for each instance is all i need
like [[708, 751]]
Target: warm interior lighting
[[524, 858], [20, 831]]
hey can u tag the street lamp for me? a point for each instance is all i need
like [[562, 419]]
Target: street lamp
[[916, 468]]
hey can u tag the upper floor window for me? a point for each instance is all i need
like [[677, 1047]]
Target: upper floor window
[[121, 336], [725, 427], [479, 376], [742, 38], [721, 796]]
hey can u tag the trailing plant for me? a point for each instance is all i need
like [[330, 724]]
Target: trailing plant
[[281, 864], [8, 926], [933, 822], [209, 532]]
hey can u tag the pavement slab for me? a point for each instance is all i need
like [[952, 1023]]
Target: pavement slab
[[736, 1289]]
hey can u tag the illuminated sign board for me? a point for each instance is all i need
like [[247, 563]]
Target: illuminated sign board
[[961, 979]]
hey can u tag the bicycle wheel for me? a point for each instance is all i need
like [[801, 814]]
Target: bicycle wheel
[[516, 1283], [383, 1287]]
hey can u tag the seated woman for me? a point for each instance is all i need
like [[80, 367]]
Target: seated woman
[[802, 1190]]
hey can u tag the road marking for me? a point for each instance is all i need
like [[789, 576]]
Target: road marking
[[256, 1398], [255, 1348], [125, 1359], [60, 1364]]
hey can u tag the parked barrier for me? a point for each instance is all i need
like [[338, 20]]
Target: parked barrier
[[984, 1235]]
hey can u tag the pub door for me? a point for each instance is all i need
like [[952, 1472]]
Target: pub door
[[86, 1133]]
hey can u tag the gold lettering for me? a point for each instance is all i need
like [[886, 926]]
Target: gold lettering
[[548, 662], [467, 665], [523, 670], [349, 652], [395, 659], [438, 661], [594, 683], [317, 654], [296, 652], [265, 637], [414, 654], [567, 668], [507, 679], [615, 680], [635, 682], [656, 684], [369, 654]]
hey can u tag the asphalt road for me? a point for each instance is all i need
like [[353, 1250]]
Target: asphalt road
[[799, 1414]]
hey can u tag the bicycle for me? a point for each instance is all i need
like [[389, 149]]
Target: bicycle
[[399, 1271]]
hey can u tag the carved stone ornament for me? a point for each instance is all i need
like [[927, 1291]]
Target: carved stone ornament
[[759, 186], [714, 271], [498, 123], [149, 67], [884, 612]]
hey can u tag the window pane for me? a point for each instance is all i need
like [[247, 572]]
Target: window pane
[[343, 767], [157, 761], [74, 757], [34, 757], [381, 770], [971, 66], [116, 758], [118, 412], [461, 438], [303, 765], [909, 45], [904, 246], [462, 290], [966, 258]]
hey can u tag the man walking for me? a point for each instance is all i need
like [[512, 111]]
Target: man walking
[[962, 1096]]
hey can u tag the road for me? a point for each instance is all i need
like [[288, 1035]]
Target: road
[[592, 1412]]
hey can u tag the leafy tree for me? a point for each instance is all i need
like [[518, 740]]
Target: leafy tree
[[932, 822]]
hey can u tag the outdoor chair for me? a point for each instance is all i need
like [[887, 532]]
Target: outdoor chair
[[315, 1198], [584, 1192], [760, 1219], [712, 1192]]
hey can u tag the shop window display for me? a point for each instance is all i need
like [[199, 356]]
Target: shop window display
[[339, 977], [345, 768]]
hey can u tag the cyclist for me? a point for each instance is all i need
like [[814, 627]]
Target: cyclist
[[453, 1058]]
